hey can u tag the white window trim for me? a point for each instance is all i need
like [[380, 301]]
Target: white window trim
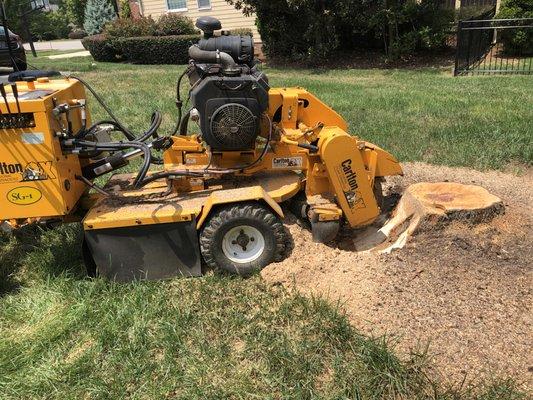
[[177, 9], [184, 9], [204, 8]]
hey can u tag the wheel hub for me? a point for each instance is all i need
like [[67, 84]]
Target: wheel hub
[[243, 244]]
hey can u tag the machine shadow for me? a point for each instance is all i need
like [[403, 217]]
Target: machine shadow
[[42, 252]]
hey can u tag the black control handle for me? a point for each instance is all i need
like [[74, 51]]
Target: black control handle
[[15, 91], [4, 95]]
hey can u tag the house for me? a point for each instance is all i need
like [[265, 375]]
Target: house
[[229, 16]]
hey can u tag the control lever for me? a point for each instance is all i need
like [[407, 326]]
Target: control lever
[[4, 95], [15, 91]]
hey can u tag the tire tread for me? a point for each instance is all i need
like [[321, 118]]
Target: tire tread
[[235, 211]]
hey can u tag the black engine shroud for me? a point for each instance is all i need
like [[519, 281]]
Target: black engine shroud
[[230, 109], [229, 101]]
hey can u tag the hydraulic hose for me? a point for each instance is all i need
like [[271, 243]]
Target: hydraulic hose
[[184, 125], [154, 126], [179, 103], [123, 129], [115, 146], [152, 130]]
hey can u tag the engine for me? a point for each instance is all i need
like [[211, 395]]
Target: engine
[[228, 91]]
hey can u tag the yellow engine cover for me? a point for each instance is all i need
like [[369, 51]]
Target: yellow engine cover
[[36, 179]]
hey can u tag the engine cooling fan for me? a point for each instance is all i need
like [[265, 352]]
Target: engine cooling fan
[[234, 126]]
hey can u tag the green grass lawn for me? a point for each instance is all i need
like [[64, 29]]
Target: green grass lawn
[[480, 122], [64, 336]]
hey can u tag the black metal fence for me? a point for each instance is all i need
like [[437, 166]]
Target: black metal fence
[[494, 46]]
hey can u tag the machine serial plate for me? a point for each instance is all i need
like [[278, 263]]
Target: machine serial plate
[[287, 162]]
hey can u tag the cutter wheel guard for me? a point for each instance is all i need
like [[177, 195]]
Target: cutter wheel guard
[[212, 198]]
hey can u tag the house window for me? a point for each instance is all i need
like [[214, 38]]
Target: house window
[[177, 5], [204, 4]]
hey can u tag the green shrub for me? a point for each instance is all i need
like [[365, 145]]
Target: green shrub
[[124, 9], [49, 25], [155, 49], [314, 30], [97, 14], [75, 10], [172, 24], [516, 41], [242, 32], [127, 27], [412, 26], [101, 48]]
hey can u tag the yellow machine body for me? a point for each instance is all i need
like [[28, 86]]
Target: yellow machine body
[[36, 179], [338, 180], [152, 232]]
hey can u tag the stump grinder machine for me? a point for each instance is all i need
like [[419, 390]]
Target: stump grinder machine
[[215, 195]]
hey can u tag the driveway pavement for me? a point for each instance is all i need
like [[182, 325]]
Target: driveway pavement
[[61, 45]]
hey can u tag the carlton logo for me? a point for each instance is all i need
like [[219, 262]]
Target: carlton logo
[[350, 175], [24, 195], [9, 169]]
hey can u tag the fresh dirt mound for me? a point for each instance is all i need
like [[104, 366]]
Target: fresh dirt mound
[[464, 288]]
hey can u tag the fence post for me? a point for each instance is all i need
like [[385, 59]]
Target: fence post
[[458, 48], [498, 4]]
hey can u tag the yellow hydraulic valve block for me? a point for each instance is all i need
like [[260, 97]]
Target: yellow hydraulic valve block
[[36, 178]]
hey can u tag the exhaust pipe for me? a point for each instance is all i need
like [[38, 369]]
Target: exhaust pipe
[[212, 57]]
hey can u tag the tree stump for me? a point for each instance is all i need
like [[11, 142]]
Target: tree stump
[[426, 206]]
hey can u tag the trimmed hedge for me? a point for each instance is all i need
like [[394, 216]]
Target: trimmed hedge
[[156, 49], [141, 50], [101, 48]]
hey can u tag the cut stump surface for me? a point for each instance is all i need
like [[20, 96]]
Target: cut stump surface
[[430, 204]]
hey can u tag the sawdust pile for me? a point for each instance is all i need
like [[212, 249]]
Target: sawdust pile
[[466, 289]]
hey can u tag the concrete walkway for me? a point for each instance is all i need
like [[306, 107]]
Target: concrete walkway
[[84, 53], [61, 45]]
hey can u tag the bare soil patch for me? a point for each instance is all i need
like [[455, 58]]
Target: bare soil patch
[[466, 289]]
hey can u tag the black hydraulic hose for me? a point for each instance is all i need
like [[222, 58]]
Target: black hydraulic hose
[[96, 125], [154, 126], [167, 174], [125, 130], [184, 125], [152, 130], [114, 146], [179, 103], [178, 122]]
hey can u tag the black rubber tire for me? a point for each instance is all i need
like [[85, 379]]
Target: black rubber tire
[[252, 214]]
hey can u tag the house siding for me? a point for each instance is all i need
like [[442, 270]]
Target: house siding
[[230, 17]]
